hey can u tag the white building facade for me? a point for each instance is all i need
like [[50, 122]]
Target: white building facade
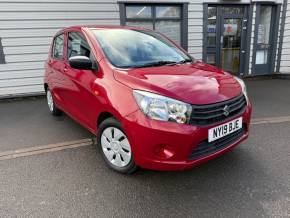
[[246, 38]]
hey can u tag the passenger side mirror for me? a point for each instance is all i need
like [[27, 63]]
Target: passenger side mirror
[[81, 62]]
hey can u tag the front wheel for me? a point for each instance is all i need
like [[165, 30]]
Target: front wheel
[[115, 147]]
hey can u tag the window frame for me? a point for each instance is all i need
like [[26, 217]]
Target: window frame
[[183, 19], [63, 47]]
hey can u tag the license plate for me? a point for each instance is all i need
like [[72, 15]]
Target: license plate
[[224, 129]]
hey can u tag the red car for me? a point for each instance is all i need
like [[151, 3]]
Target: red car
[[148, 101]]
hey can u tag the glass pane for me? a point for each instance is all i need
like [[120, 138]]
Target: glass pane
[[264, 25], [129, 48], [261, 56], [170, 29], [77, 45], [144, 24], [211, 26], [138, 12], [167, 11], [233, 10], [263, 35], [230, 52], [210, 59]]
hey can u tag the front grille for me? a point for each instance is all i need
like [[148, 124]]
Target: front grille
[[206, 148], [203, 115]]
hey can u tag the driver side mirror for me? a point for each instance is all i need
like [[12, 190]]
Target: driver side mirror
[[81, 63]]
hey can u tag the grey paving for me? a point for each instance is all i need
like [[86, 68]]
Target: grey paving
[[27, 122], [270, 97]]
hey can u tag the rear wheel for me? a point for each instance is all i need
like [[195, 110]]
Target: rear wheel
[[51, 105], [115, 146]]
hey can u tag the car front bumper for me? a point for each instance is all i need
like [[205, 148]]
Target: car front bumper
[[162, 145]]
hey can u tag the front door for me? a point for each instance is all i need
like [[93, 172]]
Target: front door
[[226, 35], [265, 35], [231, 44]]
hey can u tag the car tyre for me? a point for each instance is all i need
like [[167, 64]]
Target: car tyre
[[115, 147], [51, 105]]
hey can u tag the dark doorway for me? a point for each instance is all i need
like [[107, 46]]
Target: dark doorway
[[226, 33]]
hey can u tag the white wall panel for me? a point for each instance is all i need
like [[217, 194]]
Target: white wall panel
[[195, 28], [285, 57], [26, 29]]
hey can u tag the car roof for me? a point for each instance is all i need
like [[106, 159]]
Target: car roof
[[80, 27], [103, 27]]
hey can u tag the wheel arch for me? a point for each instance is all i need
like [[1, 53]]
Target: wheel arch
[[103, 116]]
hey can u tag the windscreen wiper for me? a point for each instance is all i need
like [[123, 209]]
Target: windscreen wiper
[[156, 64], [184, 61]]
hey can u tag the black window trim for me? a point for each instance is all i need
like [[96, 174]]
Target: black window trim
[[63, 51], [183, 16]]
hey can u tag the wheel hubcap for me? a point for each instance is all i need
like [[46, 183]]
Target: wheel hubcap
[[116, 147], [49, 100]]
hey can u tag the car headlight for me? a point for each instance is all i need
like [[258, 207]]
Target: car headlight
[[244, 88], [159, 107]]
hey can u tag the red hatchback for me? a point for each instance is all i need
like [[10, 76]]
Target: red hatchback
[[147, 100]]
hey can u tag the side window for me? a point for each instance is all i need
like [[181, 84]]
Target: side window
[[77, 45], [58, 47]]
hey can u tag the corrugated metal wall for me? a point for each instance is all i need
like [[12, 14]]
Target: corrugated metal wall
[[195, 26], [26, 29], [285, 57], [251, 41]]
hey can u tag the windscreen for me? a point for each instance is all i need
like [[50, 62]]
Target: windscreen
[[127, 48]]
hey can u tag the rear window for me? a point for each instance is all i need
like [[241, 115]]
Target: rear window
[[58, 47]]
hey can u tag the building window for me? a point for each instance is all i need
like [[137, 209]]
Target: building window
[[168, 19]]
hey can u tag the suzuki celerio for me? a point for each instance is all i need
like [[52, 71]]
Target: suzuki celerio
[[149, 103]]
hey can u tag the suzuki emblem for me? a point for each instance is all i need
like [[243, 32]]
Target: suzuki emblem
[[226, 110]]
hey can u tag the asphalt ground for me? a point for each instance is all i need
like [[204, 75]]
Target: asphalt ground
[[251, 181]]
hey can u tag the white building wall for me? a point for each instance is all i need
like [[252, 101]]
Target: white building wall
[[285, 57], [195, 28], [26, 29]]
